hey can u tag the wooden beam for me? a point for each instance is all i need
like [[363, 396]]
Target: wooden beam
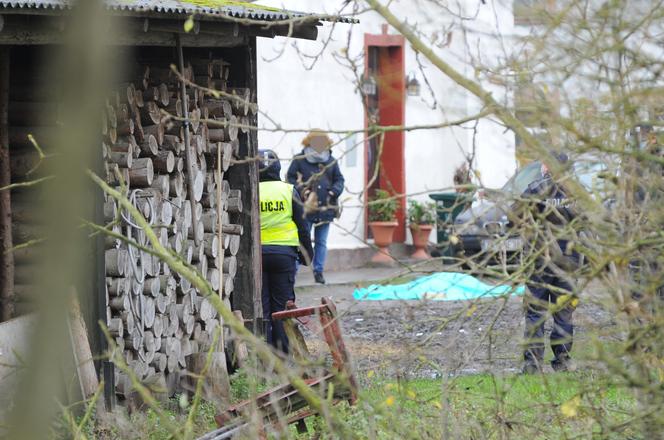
[[41, 30], [6, 256], [45, 29], [172, 26], [303, 32], [247, 294], [221, 28], [189, 157], [78, 334]]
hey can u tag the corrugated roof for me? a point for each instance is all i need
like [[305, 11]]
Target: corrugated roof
[[217, 8]]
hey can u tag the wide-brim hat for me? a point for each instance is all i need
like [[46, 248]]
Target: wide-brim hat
[[318, 140]]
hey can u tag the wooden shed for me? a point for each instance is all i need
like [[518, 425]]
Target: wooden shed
[[155, 136]]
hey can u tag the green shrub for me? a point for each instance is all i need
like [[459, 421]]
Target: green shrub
[[421, 213], [382, 207]]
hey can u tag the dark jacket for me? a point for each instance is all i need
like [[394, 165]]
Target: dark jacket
[[270, 175], [553, 205], [324, 178], [551, 200]]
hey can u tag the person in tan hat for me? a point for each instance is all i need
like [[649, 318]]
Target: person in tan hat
[[317, 177]]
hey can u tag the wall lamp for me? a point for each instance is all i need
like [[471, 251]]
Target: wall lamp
[[369, 85], [412, 85]]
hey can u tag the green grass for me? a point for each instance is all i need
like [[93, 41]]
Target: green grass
[[551, 406], [482, 406]]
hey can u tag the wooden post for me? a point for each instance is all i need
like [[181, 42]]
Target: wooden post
[[247, 292], [189, 154], [78, 333], [240, 348], [6, 256], [220, 251]]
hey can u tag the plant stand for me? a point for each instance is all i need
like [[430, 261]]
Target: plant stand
[[383, 233], [421, 235]]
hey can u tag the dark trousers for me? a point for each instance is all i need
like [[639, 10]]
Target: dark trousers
[[278, 284], [537, 307]]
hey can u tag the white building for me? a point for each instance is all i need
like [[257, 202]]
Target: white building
[[312, 84]]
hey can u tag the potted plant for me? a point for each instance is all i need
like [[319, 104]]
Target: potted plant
[[421, 218], [382, 221]]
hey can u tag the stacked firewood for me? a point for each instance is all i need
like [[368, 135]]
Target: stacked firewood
[[155, 315]]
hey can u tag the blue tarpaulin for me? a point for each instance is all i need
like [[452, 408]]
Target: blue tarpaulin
[[441, 286]]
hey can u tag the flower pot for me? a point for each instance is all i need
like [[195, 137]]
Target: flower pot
[[383, 233], [421, 235]]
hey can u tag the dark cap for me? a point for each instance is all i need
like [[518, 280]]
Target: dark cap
[[268, 163], [561, 157]]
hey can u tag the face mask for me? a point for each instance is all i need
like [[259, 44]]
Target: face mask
[[314, 156]]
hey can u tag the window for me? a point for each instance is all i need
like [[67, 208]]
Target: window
[[351, 151], [524, 177]]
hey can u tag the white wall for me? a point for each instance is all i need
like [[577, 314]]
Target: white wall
[[490, 39], [300, 97], [320, 97]]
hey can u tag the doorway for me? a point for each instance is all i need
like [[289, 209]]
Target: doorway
[[385, 162]]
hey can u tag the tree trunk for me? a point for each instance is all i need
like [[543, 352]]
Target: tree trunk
[[230, 266], [150, 114], [157, 131], [124, 160], [234, 205], [141, 173], [149, 146], [162, 184], [164, 161], [232, 229]]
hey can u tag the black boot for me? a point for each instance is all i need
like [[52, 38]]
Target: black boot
[[318, 277], [530, 367], [562, 363]]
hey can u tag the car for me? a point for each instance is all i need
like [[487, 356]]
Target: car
[[483, 234]]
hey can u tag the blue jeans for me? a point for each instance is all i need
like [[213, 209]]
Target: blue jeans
[[320, 244]]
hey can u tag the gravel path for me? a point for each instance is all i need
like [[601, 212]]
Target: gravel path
[[432, 338]]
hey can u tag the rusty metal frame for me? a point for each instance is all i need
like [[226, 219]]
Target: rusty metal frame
[[285, 395]]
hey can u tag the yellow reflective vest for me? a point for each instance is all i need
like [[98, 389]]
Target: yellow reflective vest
[[277, 225]]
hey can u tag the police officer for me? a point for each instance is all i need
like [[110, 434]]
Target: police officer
[[550, 291], [285, 240]]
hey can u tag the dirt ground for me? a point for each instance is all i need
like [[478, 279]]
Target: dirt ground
[[439, 338]]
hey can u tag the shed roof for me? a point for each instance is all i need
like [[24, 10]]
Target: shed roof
[[211, 8]]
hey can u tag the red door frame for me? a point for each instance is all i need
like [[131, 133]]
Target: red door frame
[[392, 111]]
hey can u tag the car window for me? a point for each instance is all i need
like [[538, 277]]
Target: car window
[[524, 177], [588, 174]]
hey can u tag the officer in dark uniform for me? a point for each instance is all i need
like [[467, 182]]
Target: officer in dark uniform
[[285, 239], [549, 291], [647, 198]]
